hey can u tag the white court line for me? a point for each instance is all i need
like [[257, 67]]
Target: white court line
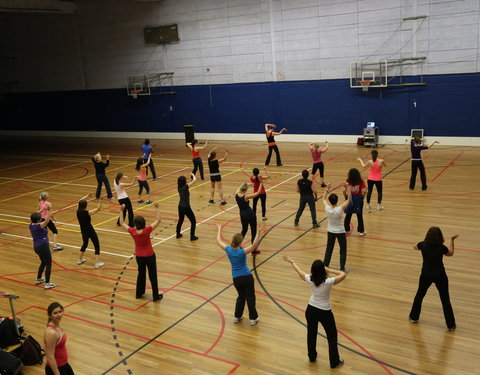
[[45, 182], [65, 245]]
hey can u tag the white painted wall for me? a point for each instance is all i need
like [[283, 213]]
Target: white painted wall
[[311, 39]]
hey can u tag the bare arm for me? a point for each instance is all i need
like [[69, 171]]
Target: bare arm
[[315, 193], [451, 248], [128, 184], [326, 146], [120, 218], [324, 197], [382, 163], [301, 274], [192, 181], [349, 198], [254, 245], [339, 275], [361, 162], [189, 145], [43, 224], [208, 156], [144, 165], [224, 157], [310, 145], [50, 343], [201, 147], [157, 221], [256, 194], [433, 144], [85, 197], [220, 243], [95, 210]]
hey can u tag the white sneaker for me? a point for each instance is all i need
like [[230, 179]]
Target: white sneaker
[[362, 233], [39, 281], [368, 207], [81, 261], [58, 248], [380, 207], [237, 320], [264, 218], [254, 321], [49, 285], [99, 264]]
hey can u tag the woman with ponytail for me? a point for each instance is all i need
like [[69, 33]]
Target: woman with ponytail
[[374, 178]]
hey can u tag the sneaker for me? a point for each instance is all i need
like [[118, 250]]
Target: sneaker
[[339, 364], [380, 207], [295, 223], [99, 264], [424, 188], [237, 320], [323, 185], [140, 201], [141, 296], [223, 203], [316, 225], [255, 252], [254, 321], [362, 233], [58, 248], [280, 165], [412, 321], [193, 238], [157, 298], [49, 285], [453, 328], [369, 207], [346, 270], [149, 202], [211, 201], [179, 235], [39, 281], [264, 218], [81, 261], [155, 178]]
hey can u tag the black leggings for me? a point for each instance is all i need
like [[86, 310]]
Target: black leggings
[[342, 242], [182, 211], [151, 166], [43, 252], [128, 208], [64, 370], [141, 185], [90, 234], [277, 152], [304, 200], [326, 318], [102, 178], [147, 263], [418, 164], [248, 218], [263, 200], [198, 165], [51, 226], [379, 185], [245, 286], [318, 166]]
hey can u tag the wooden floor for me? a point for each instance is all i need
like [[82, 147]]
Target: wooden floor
[[191, 330]]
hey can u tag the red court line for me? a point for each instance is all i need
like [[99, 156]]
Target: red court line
[[448, 166]]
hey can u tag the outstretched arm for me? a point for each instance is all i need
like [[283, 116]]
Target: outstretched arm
[[209, 153], [201, 147], [256, 194], [435, 142], [349, 198], [95, 210], [157, 219], [301, 274], [189, 145], [451, 248], [193, 180], [145, 165], [220, 243], [254, 245], [361, 162], [224, 156], [121, 220], [339, 275], [326, 146], [324, 197]]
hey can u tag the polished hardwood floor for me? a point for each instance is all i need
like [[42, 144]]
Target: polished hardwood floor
[[191, 330]]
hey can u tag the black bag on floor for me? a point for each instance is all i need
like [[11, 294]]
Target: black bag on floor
[[8, 333], [9, 364], [30, 352]]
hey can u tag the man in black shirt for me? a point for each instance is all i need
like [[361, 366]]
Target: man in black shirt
[[308, 195]]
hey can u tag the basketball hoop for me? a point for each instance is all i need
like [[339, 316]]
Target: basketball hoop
[[365, 84], [135, 93]]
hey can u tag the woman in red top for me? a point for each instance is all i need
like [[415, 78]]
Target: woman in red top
[[359, 189], [256, 180], [144, 254], [197, 160], [55, 340]]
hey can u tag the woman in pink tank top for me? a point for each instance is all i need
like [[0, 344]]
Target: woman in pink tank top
[[43, 207], [55, 343], [374, 178]]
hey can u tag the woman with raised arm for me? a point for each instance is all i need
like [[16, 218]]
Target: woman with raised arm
[[242, 276], [358, 189], [100, 174], [88, 232], [215, 176], [272, 145], [141, 168], [147, 152], [336, 229], [317, 159], [122, 196], [374, 178], [55, 340], [247, 216], [256, 179], [416, 148], [319, 309], [41, 246], [184, 206], [196, 159], [433, 271], [144, 254], [44, 206]]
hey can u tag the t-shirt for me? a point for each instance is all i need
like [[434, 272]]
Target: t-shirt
[[143, 244], [184, 194], [100, 166], [256, 184], [335, 222], [416, 150], [39, 234], [357, 189], [432, 255], [316, 155], [305, 186], [121, 193], [238, 260], [85, 220], [320, 297], [147, 150]]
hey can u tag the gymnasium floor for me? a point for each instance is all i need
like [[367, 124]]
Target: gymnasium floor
[[191, 330]]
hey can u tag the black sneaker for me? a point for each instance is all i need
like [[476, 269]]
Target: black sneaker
[[193, 238], [323, 185], [223, 203], [340, 364], [157, 298], [316, 225], [179, 235], [295, 223], [211, 201]]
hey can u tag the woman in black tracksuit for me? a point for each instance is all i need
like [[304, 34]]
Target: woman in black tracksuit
[[100, 174], [247, 216], [184, 206]]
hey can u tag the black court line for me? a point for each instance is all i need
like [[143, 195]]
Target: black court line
[[275, 205]]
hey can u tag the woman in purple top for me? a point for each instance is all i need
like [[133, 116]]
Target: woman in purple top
[[38, 229], [242, 276], [417, 163]]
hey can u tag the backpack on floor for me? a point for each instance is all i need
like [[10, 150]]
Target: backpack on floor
[[9, 364], [8, 333], [30, 353]]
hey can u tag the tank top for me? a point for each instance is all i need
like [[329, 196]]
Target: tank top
[[121, 193], [270, 138], [316, 155], [256, 184], [43, 204], [142, 174], [375, 172], [39, 234], [195, 154], [214, 167], [243, 205], [61, 354]]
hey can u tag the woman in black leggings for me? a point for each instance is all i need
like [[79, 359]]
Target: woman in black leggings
[[247, 216], [122, 196], [88, 232], [256, 179], [184, 206], [100, 174]]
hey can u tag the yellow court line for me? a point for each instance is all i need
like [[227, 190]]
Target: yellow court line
[[23, 222], [60, 184], [23, 165], [165, 198]]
